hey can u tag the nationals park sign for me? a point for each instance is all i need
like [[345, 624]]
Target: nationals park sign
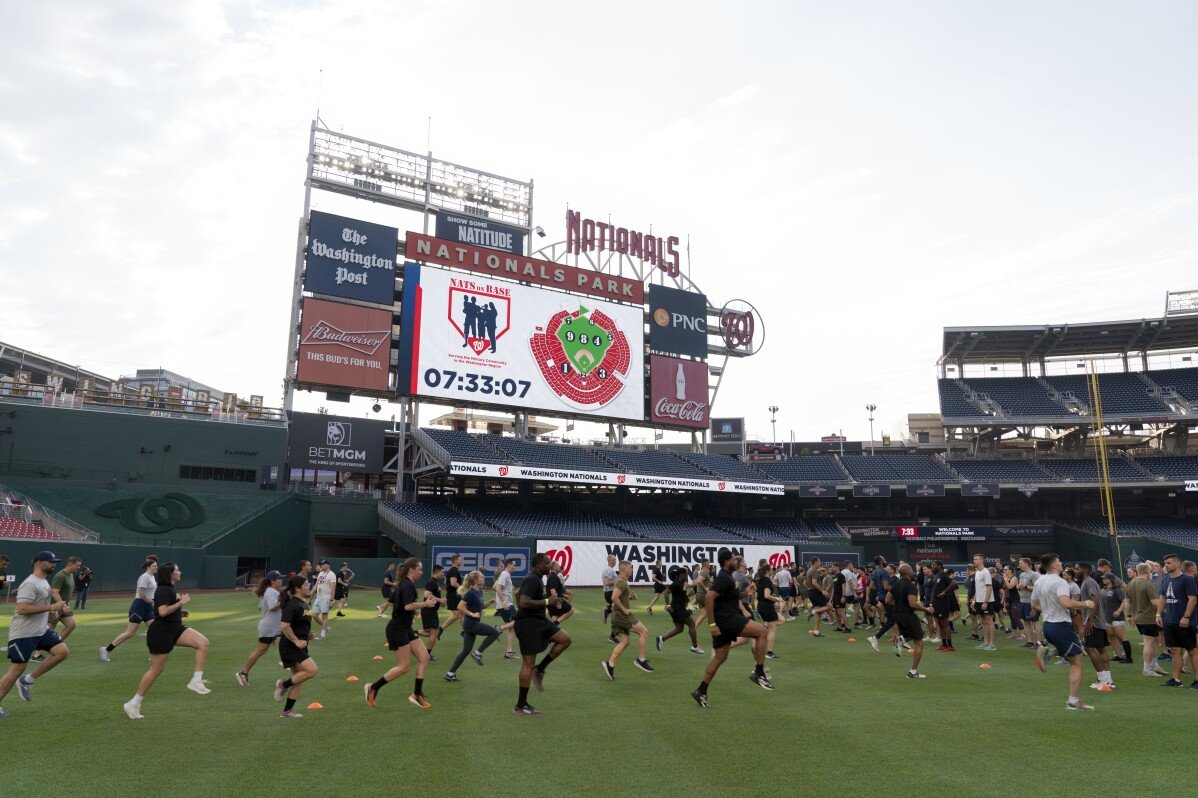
[[494, 471], [583, 561]]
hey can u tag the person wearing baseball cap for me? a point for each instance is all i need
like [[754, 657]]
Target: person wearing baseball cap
[[270, 610], [30, 630]]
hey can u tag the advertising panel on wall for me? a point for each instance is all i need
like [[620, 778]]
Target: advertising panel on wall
[[344, 345], [926, 491], [350, 258], [496, 471], [871, 491], [479, 232], [677, 321], [817, 491], [467, 338], [830, 556], [583, 561], [483, 558], [989, 489], [335, 443], [950, 532], [727, 430], [678, 392]]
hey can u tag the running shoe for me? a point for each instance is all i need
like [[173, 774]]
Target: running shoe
[[916, 675], [659, 641], [1040, 658], [477, 656], [367, 688], [991, 647], [649, 610], [451, 677], [948, 648], [643, 664], [538, 676], [431, 658], [105, 654], [24, 689], [700, 698], [933, 640], [609, 671], [1078, 707], [38, 656], [134, 712], [243, 678], [873, 643], [290, 713], [1171, 683], [3, 714], [280, 690], [696, 650], [197, 686], [816, 633], [509, 655], [420, 701], [614, 640], [771, 655], [760, 681], [526, 711], [1194, 685]]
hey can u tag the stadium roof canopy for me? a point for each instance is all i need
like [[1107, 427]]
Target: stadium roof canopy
[[1039, 342]]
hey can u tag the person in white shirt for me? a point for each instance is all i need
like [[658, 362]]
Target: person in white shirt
[[985, 601], [503, 603], [1051, 598], [326, 583], [30, 630], [141, 610], [850, 592]]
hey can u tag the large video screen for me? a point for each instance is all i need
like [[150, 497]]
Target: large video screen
[[466, 338]]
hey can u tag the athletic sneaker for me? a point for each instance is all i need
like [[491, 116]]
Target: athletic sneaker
[[643, 664], [538, 676], [990, 647], [1078, 707], [649, 610], [873, 643], [947, 648], [3, 714], [933, 640], [760, 681], [816, 634], [1194, 685], [916, 675], [477, 656], [1040, 652], [198, 686], [1171, 683], [696, 650], [509, 655], [290, 713], [25, 690], [420, 701], [367, 688], [451, 677], [105, 654], [771, 655], [614, 640], [280, 690], [609, 671], [431, 658], [526, 711], [340, 614], [700, 698], [243, 678], [659, 641], [132, 711]]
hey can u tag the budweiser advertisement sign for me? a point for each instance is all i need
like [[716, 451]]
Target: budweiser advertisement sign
[[344, 345], [678, 392]]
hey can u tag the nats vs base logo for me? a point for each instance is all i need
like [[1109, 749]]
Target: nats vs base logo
[[582, 355]]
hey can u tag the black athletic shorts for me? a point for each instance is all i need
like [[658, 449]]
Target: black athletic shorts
[[817, 598], [1148, 629], [1177, 637], [984, 608], [291, 654], [942, 608], [607, 596], [338, 593], [556, 613], [452, 600], [909, 626], [268, 641], [399, 636], [161, 636], [660, 588], [838, 602], [1096, 639], [429, 618], [679, 616], [728, 631], [768, 611], [534, 634]]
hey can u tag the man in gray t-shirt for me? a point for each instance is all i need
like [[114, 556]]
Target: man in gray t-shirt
[[1030, 618], [30, 629], [1094, 628]]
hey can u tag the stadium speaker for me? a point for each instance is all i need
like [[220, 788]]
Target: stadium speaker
[[376, 407]]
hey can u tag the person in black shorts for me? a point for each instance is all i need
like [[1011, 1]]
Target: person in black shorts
[[559, 611], [768, 601], [535, 632], [430, 619], [729, 621], [164, 633], [660, 586], [944, 588], [389, 587], [821, 603], [679, 613], [453, 580], [295, 628], [401, 638], [839, 604], [905, 598]]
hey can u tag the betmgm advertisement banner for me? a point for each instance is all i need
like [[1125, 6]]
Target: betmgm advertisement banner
[[466, 338], [335, 443], [479, 232], [583, 561], [677, 321], [541, 474], [351, 259], [344, 345]]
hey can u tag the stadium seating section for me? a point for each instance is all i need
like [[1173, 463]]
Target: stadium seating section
[[548, 455], [1176, 468], [721, 465], [539, 523], [464, 446], [1179, 531], [804, 469], [893, 469], [19, 530], [440, 519], [1001, 471], [654, 463], [953, 401], [1087, 470], [1183, 381]]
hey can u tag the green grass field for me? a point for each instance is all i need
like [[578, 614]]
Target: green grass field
[[840, 713]]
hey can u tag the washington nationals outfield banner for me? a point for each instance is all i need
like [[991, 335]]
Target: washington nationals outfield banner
[[583, 561], [542, 474], [467, 338]]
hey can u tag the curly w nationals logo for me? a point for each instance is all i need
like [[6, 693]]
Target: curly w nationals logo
[[582, 355], [563, 557]]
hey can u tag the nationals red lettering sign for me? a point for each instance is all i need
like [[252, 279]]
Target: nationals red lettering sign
[[344, 345], [678, 392], [528, 270]]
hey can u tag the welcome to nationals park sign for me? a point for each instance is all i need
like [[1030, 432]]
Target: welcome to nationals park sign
[[494, 471]]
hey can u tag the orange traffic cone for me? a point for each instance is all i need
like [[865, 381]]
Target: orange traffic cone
[[985, 666], [378, 656], [351, 678], [315, 705], [852, 640]]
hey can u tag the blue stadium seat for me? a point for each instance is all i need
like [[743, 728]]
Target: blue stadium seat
[[1019, 396], [1086, 470], [725, 467], [1183, 381], [465, 447], [895, 469], [1002, 471], [540, 522], [1123, 394], [804, 469], [649, 461], [953, 402], [440, 519], [1173, 468], [548, 455]]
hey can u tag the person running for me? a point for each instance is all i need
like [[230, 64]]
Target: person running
[[345, 579], [984, 600], [141, 610], [270, 607], [1027, 616], [61, 587], [1094, 633], [535, 632], [401, 638], [1175, 612], [1051, 598], [561, 609], [472, 625], [453, 580], [885, 584], [83, 586], [730, 621], [821, 604], [1141, 598], [1114, 609], [164, 633], [608, 580], [295, 629], [326, 585], [504, 608], [768, 603], [305, 570], [660, 585], [904, 596], [679, 612], [701, 584], [389, 587], [943, 589], [30, 631], [430, 618], [624, 624]]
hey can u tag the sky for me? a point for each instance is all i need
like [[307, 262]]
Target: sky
[[865, 174]]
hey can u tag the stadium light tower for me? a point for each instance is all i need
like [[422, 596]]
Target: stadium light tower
[[871, 408], [774, 422]]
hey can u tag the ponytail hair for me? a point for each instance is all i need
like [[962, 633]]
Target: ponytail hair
[[407, 566], [165, 571], [261, 588], [294, 585], [468, 583]]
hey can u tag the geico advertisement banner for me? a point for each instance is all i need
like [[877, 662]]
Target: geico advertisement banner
[[583, 561], [478, 340], [496, 471], [483, 558]]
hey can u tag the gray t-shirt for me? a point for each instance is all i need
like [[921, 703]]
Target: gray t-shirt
[[609, 573], [271, 612], [1091, 592], [34, 590], [1111, 601], [1027, 579]]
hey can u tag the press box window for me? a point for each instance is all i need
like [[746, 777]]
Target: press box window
[[219, 474]]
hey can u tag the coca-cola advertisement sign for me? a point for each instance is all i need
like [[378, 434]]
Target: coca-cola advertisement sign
[[678, 392], [344, 345]]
